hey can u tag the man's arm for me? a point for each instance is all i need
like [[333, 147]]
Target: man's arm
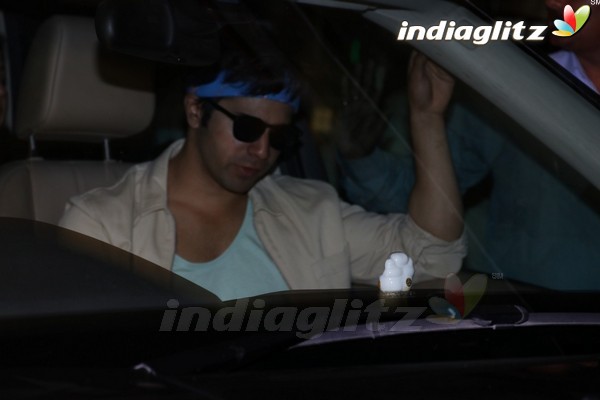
[[435, 203], [432, 232]]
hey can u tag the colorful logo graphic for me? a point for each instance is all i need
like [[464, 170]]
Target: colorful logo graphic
[[573, 22], [459, 300]]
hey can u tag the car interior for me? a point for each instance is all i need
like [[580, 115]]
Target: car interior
[[72, 91], [85, 110]]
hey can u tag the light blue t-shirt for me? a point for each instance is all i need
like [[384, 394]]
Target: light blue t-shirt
[[243, 270]]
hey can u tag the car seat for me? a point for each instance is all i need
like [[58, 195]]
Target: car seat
[[72, 90]]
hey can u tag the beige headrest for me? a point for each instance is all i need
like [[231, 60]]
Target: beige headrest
[[73, 89]]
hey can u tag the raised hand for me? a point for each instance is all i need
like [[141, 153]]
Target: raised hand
[[429, 86]]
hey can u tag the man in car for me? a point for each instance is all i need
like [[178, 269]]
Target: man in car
[[210, 208]]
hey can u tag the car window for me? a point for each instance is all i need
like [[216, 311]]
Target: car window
[[505, 172], [367, 67]]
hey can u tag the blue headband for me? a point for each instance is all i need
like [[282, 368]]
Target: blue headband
[[219, 88]]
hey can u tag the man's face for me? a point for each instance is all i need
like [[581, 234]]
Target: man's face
[[235, 165], [583, 41]]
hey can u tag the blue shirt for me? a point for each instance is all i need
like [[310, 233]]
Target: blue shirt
[[569, 61], [243, 270]]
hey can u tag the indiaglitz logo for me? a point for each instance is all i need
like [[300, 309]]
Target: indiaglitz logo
[[480, 35], [573, 21], [459, 300], [500, 31]]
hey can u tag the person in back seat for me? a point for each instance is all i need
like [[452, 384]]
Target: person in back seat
[[210, 210]]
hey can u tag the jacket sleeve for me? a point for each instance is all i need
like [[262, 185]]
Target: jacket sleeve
[[373, 237]]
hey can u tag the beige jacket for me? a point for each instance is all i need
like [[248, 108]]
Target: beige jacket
[[315, 239]]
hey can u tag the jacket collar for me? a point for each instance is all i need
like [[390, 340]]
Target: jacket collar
[[154, 181], [154, 186]]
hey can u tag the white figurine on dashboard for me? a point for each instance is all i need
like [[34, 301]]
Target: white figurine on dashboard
[[398, 273]]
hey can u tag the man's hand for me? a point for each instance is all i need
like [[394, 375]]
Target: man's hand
[[429, 86]]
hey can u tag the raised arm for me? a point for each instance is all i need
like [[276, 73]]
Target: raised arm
[[435, 202]]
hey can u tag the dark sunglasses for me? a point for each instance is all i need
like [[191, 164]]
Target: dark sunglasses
[[249, 129]]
